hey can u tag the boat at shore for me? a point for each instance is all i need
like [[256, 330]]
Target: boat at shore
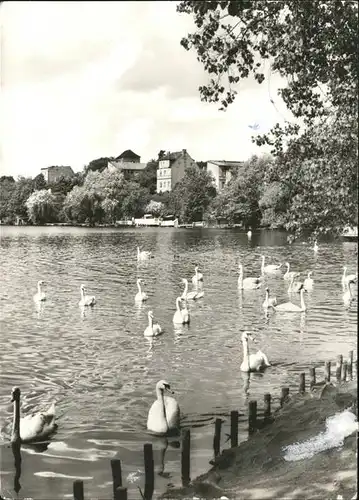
[[350, 233]]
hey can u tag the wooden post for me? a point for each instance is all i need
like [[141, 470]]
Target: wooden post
[[121, 493], [302, 382], [217, 437], [252, 416], [116, 474], [344, 371], [185, 457], [149, 471], [285, 394], [327, 371], [350, 365], [338, 368], [312, 377], [234, 428], [267, 406], [78, 490]]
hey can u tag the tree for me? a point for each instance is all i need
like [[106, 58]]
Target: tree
[[147, 178], [41, 206], [98, 164], [7, 188], [191, 195], [17, 204], [313, 46], [156, 208], [39, 182]]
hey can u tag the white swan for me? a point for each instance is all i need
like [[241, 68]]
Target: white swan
[[247, 283], [194, 295], [140, 295], [315, 247], [197, 276], [35, 427], [290, 307], [347, 277], [86, 300], [254, 362], [294, 286], [347, 295], [40, 296], [181, 316], [269, 301], [270, 268], [249, 234], [153, 329], [289, 275], [164, 414], [308, 282], [143, 255]]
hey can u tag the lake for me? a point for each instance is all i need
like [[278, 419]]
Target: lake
[[101, 370]]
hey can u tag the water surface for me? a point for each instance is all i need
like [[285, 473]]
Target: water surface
[[101, 371]]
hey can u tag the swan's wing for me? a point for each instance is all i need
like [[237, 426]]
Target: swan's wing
[[172, 412]]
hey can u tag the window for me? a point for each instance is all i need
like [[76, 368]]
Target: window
[[160, 185]]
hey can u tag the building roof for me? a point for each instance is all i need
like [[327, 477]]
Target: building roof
[[128, 154], [127, 165], [225, 163], [59, 167]]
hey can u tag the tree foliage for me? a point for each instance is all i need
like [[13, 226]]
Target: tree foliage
[[41, 206], [147, 178]]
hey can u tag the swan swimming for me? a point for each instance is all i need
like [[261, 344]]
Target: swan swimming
[[143, 255], [249, 234], [35, 427], [348, 295], [181, 316], [247, 283], [254, 362], [194, 295], [290, 307], [40, 296], [269, 301], [86, 300], [347, 277], [153, 329], [270, 268], [308, 282], [140, 295], [197, 276], [164, 414], [289, 275], [315, 247]]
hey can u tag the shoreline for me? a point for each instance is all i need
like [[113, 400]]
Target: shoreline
[[256, 469]]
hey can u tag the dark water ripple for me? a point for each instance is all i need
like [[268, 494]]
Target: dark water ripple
[[101, 371]]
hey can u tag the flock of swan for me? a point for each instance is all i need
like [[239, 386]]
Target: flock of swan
[[164, 414]]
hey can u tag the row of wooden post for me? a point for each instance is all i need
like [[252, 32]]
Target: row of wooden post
[[343, 370]]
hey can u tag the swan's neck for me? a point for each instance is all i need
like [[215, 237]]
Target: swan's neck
[[240, 277], [139, 287], [161, 398], [263, 259], [82, 293], [350, 289], [16, 422], [185, 288], [302, 303], [150, 321], [178, 306], [39, 288], [245, 351], [267, 295]]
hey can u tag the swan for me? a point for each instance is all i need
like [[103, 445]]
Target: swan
[[308, 282], [140, 295], [197, 277], [247, 283], [194, 295], [347, 295], [269, 301], [315, 247], [289, 275], [294, 287], [40, 296], [249, 234], [270, 268], [164, 414], [153, 329], [143, 255], [86, 300], [181, 316], [35, 427], [290, 307], [347, 277], [254, 362]]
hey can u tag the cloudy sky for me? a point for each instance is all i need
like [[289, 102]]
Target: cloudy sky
[[86, 80]]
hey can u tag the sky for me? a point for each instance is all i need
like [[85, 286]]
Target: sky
[[84, 80]]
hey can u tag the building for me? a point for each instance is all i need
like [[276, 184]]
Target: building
[[53, 174], [222, 171], [171, 168], [128, 162]]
